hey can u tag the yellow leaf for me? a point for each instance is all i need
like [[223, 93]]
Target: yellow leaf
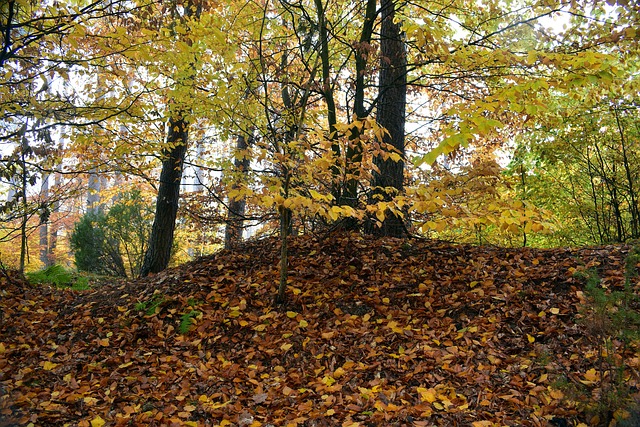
[[97, 422], [335, 212], [303, 323], [591, 375], [315, 195], [291, 314], [530, 338], [49, 365], [554, 310], [380, 215], [427, 395], [338, 373], [380, 406], [2, 349], [285, 347], [89, 401]]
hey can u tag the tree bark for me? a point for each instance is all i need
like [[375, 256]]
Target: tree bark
[[237, 206], [354, 151], [388, 181], [328, 95], [44, 222], [158, 253]]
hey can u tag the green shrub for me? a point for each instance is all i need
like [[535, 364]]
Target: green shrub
[[114, 243]]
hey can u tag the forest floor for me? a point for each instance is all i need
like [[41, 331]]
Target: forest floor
[[376, 332]]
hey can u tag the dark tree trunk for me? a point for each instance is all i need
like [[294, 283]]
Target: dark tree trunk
[[236, 209], [328, 95], [161, 241], [354, 151], [392, 99]]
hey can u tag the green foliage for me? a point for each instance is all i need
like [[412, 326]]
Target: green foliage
[[57, 275], [581, 164], [113, 243], [612, 323], [151, 307], [187, 320], [129, 223], [88, 242]]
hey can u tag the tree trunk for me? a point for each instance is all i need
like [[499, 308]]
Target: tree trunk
[[354, 151], [161, 241], [24, 249], [44, 222], [328, 95], [236, 208], [389, 179]]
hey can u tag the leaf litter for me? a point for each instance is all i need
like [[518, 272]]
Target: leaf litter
[[376, 332]]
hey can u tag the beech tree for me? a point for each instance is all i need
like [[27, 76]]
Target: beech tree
[[393, 114], [388, 180]]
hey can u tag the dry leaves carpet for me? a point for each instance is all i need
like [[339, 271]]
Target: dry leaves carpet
[[381, 332]]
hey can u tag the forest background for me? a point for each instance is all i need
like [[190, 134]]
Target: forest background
[[509, 123]]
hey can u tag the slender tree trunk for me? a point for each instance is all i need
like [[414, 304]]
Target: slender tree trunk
[[610, 179], [523, 181], [161, 241], [388, 181], [600, 223], [24, 249], [633, 201], [285, 225], [237, 206], [44, 222], [53, 229], [328, 94]]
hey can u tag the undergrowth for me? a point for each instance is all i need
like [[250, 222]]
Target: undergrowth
[[611, 321], [57, 275], [151, 306]]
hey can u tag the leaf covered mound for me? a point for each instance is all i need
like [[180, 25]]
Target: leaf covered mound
[[376, 332]]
